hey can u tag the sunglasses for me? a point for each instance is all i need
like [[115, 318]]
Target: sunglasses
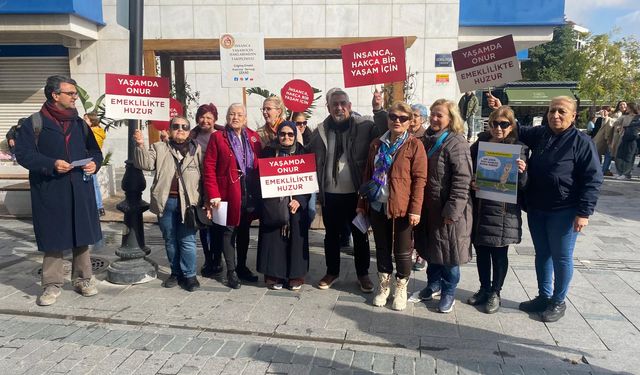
[[393, 117], [301, 123], [501, 124], [184, 127], [286, 134]]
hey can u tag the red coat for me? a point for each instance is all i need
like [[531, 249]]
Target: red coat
[[221, 177]]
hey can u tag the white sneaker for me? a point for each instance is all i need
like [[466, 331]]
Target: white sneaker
[[621, 177], [49, 296]]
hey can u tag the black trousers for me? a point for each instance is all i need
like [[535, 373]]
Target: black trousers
[[232, 239], [392, 236], [486, 257], [339, 210]]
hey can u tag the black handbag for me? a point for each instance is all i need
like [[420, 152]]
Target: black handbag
[[195, 216], [370, 191], [275, 212]]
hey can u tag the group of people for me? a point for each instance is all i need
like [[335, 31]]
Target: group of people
[[414, 184], [615, 134]]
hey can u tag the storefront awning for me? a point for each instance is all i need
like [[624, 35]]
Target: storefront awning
[[535, 96]]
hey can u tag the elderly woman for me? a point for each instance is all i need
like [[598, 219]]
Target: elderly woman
[[447, 204], [496, 225], [564, 182], [395, 176], [231, 175], [283, 239], [178, 166], [273, 111], [206, 117]]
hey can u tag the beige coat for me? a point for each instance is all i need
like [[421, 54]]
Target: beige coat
[[604, 136], [618, 126], [160, 157]]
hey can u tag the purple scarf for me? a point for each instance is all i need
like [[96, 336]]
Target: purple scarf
[[241, 149]]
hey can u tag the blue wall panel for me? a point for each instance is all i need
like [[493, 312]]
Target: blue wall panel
[[88, 9], [511, 12]]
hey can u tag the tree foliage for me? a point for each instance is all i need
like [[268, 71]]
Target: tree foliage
[[557, 60]]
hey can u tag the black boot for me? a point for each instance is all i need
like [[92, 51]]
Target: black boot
[[191, 284], [479, 298], [232, 280], [245, 274]]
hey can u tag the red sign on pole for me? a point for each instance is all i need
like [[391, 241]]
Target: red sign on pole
[[175, 109], [136, 97], [374, 62], [292, 175], [297, 95], [487, 64]]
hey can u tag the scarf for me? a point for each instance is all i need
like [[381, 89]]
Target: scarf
[[339, 128], [241, 149], [64, 118], [287, 150], [271, 130], [385, 157], [182, 148]]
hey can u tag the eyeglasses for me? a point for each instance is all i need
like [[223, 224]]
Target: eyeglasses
[[267, 109], [301, 123], [286, 134], [184, 127], [73, 94], [393, 117], [501, 124]]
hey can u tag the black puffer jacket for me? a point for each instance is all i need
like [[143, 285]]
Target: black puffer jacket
[[497, 224]]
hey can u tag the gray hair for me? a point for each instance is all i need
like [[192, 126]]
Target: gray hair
[[236, 105], [179, 117], [336, 91], [53, 85]]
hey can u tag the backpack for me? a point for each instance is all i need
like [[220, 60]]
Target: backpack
[[631, 131], [36, 122]]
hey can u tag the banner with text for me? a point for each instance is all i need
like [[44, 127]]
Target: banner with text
[[374, 62], [242, 60], [136, 97], [487, 64], [286, 176]]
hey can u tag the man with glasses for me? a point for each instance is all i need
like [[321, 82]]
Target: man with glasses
[[341, 144], [65, 217]]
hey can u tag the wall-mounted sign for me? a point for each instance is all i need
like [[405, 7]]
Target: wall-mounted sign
[[444, 60], [374, 62], [487, 64], [242, 60], [442, 79], [136, 97]]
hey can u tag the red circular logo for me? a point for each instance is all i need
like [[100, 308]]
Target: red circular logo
[[297, 95]]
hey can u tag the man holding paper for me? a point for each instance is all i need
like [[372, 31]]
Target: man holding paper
[[65, 217]]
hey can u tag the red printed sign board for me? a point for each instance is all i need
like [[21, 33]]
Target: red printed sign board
[[286, 176], [374, 62], [487, 64], [297, 95], [136, 97], [175, 109]]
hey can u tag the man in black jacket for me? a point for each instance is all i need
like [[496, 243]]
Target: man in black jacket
[[341, 144]]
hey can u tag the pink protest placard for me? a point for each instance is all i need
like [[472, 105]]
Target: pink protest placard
[[286, 176], [487, 64], [374, 62], [297, 95], [136, 97]]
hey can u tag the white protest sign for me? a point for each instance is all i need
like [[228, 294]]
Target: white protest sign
[[286, 176], [136, 97], [242, 60]]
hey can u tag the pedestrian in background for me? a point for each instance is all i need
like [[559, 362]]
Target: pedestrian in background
[[93, 121], [62, 197], [468, 106], [176, 185], [626, 147]]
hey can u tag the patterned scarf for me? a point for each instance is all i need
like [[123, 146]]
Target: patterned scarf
[[385, 157], [241, 149]]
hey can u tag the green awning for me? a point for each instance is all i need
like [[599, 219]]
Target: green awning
[[534, 96]]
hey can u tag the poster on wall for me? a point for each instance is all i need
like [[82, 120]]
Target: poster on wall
[[497, 172], [487, 64], [287, 176], [374, 62], [242, 59], [442, 78], [136, 97]]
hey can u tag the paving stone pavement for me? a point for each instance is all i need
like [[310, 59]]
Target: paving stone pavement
[[145, 328]]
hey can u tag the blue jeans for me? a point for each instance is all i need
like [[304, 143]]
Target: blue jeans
[[179, 241], [606, 165], [445, 278], [554, 240], [311, 210], [96, 187]]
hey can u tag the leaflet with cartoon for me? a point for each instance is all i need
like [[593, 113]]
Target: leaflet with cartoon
[[497, 172]]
